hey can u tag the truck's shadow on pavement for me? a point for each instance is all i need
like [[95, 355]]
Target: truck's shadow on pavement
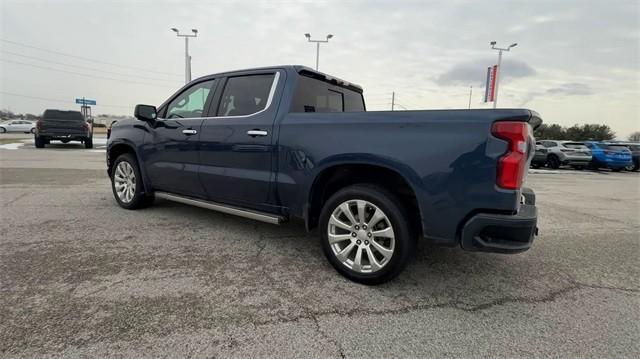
[[288, 258]]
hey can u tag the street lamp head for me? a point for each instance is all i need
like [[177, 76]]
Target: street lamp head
[[492, 43], [174, 29], [513, 45], [329, 36], [195, 31], [307, 35]]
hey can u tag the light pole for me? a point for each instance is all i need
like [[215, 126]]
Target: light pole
[[187, 58], [493, 46], [308, 36]]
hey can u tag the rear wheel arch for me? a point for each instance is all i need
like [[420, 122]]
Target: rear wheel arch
[[332, 179]]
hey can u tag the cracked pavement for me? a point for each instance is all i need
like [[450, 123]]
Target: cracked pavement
[[80, 276]]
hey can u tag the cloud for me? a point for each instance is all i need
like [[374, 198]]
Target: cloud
[[565, 89], [571, 89], [475, 72]]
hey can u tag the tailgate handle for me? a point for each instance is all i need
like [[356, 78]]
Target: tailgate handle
[[255, 132]]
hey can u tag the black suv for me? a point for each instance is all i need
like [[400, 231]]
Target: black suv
[[63, 126]]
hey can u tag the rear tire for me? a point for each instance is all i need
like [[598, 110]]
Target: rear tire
[[126, 177], [33, 130], [390, 254], [3, 130], [39, 141], [553, 161], [88, 142]]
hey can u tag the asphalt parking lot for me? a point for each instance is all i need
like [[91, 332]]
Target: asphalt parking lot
[[80, 276]]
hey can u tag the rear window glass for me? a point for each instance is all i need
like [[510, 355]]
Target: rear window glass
[[579, 146], [615, 147], [63, 115], [314, 95]]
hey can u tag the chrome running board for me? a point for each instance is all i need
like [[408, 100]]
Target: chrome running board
[[258, 216]]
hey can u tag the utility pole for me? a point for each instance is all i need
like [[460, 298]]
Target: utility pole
[[393, 100], [187, 58], [499, 69], [470, 93], [308, 36]]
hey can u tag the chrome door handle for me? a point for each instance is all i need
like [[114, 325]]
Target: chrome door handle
[[189, 132], [254, 133]]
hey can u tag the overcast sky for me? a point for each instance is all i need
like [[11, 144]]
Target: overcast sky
[[576, 61]]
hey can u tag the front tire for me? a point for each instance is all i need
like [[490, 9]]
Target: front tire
[[126, 183], [3, 130], [366, 234]]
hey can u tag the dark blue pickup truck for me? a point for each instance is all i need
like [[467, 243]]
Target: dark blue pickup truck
[[281, 142]]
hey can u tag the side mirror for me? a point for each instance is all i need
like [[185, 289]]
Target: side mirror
[[145, 112]]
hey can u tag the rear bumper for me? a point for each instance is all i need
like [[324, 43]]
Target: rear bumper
[[613, 162], [64, 136], [577, 160], [502, 233]]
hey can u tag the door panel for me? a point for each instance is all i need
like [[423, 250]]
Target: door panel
[[172, 156], [172, 145], [236, 146]]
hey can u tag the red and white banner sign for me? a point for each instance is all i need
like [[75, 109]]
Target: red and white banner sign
[[490, 87]]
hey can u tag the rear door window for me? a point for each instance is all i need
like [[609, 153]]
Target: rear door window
[[245, 95]]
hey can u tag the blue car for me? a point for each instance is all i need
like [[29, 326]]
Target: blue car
[[606, 156]]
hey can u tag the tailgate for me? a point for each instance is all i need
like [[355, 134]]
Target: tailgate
[[53, 125]]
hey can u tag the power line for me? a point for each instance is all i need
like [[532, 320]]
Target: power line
[[54, 100], [86, 68], [78, 73], [88, 59]]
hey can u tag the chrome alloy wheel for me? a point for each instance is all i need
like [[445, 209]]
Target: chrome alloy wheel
[[361, 236], [124, 180]]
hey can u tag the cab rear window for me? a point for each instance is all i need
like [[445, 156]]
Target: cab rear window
[[313, 95], [63, 115]]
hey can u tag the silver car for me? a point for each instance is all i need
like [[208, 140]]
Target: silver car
[[574, 154], [17, 126]]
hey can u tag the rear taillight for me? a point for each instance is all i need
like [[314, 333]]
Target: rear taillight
[[39, 124], [108, 132], [512, 165]]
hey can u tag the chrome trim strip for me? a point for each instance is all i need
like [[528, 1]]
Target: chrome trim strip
[[221, 208], [272, 92]]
